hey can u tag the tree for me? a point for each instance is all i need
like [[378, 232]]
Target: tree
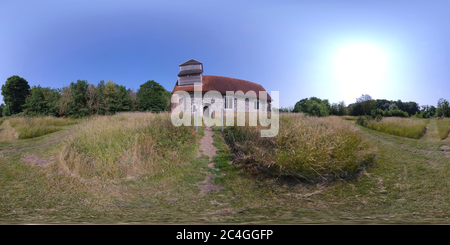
[[314, 106], [91, 99], [63, 105], [109, 97], [78, 106], [363, 106], [102, 105], [2, 106], [116, 98], [342, 109], [317, 109], [14, 91], [443, 108], [133, 100], [153, 97], [432, 110], [42, 101], [300, 106], [364, 97], [73, 100], [334, 110]]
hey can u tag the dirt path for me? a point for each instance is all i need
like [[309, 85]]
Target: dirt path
[[207, 148], [206, 144]]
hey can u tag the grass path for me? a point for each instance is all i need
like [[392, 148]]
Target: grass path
[[432, 132]]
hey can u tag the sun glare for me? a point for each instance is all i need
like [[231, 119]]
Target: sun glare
[[360, 69]]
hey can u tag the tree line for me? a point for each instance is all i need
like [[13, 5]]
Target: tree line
[[366, 105], [80, 98]]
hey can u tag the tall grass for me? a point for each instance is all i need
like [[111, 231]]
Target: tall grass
[[30, 127], [306, 147], [1, 120], [350, 118], [405, 127], [127, 145], [443, 127]]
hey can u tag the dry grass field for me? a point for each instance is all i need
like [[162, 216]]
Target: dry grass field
[[406, 127], [37, 126], [141, 169], [127, 146], [305, 147]]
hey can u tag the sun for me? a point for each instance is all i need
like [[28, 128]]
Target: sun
[[360, 68]]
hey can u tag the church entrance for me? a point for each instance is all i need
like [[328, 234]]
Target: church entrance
[[206, 111]]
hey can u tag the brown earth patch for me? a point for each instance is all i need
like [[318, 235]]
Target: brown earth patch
[[224, 211], [172, 199], [36, 161], [206, 186], [446, 149]]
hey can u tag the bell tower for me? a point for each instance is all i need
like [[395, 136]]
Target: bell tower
[[190, 73]]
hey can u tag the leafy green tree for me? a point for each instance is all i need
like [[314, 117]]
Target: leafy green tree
[[116, 98], [63, 105], [443, 108], [2, 106], [42, 101], [109, 97], [342, 109], [14, 91], [134, 103], [101, 104], [153, 97], [78, 106], [313, 106], [432, 111], [317, 109], [410, 107], [73, 100], [383, 104], [363, 106], [300, 106], [364, 97], [334, 110], [91, 99], [123, 99]]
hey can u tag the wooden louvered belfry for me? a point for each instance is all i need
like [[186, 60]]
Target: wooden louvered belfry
[[190, 73]]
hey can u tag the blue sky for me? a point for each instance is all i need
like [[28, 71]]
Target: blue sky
[[335, 50]]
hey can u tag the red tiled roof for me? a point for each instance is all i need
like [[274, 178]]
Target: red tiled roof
[[223, 84]]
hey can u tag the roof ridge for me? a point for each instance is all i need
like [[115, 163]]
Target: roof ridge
[[235, 79], [191, 61]]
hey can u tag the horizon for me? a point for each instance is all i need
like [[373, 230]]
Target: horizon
[[330, 50]]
